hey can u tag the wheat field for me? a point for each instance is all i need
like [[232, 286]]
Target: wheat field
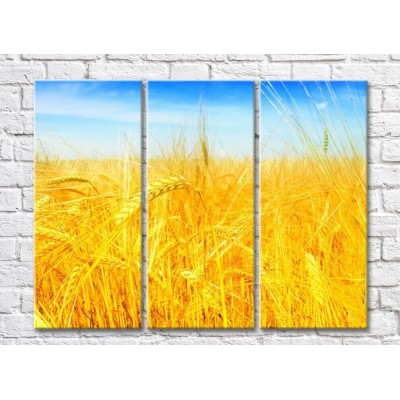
[[314, 206], [313, 243], [200, 223], [87, 243], [200, 238]]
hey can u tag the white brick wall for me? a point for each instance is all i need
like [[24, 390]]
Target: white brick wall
[[17, 75]]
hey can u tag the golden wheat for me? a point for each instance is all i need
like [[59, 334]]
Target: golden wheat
[[87, 268], [200, 238], [65, 179], [164, 186], [53, 235], [318, 288], [312, 228]]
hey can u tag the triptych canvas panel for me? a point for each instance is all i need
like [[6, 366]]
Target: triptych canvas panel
[[87, 204], [184, 255], [313, 204]]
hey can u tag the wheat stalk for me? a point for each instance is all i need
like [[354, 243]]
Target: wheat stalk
[[130, 208], [73, 190], [70, 178], [72, 284], [64, 179], [326, 140], [53, 235], [154, 190], [109, 262], [42, 201], [318, 287], [166, 249], [190, 276], [164, 186]]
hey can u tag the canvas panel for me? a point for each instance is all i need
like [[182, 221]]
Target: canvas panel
[[200, 204], [313, 204], [87, 204]]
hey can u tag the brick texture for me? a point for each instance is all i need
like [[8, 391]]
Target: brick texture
[[17, 76]]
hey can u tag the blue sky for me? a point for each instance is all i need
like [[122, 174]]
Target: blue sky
[[174, 107], [289, 106], [75, 119], [92, 118]]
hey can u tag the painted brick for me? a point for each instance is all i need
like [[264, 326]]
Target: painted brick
[[391, 150], [384, 124], [7, 249], [126, 57], [28, 97], [6, 149], [275, 71], [391, 249], [391, 341], [5, 57], [382, 225], [186, 57], [390, 298], [297, 341], [190, 71], [391, 200], [17, 325], [370, 57], [16, 224], [20, 73], [308, 57], [17, 123], [9, 299], [60, 57], [361, 341], [375, 74], [62, 70], [375, 98], [247, 57], [27, 301], [15, 175], [373, 298], [374, 249], [374, 150], [24, 149], [9, 98], [12, 275], [311, 72], [10, 199], [26, 249], [235, 71], [374, 200], [27, 199], [384, 274], [391, 100], [240, 340], [384, 175], [129, 71]]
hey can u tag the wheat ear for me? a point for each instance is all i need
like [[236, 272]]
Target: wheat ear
[[318, 287], [164, 186], [326, 140], [64, 179], [53, 235], [71, 178], [154, 190]]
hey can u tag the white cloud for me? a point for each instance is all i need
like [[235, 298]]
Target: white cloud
[[71, 105], [322, 105]]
